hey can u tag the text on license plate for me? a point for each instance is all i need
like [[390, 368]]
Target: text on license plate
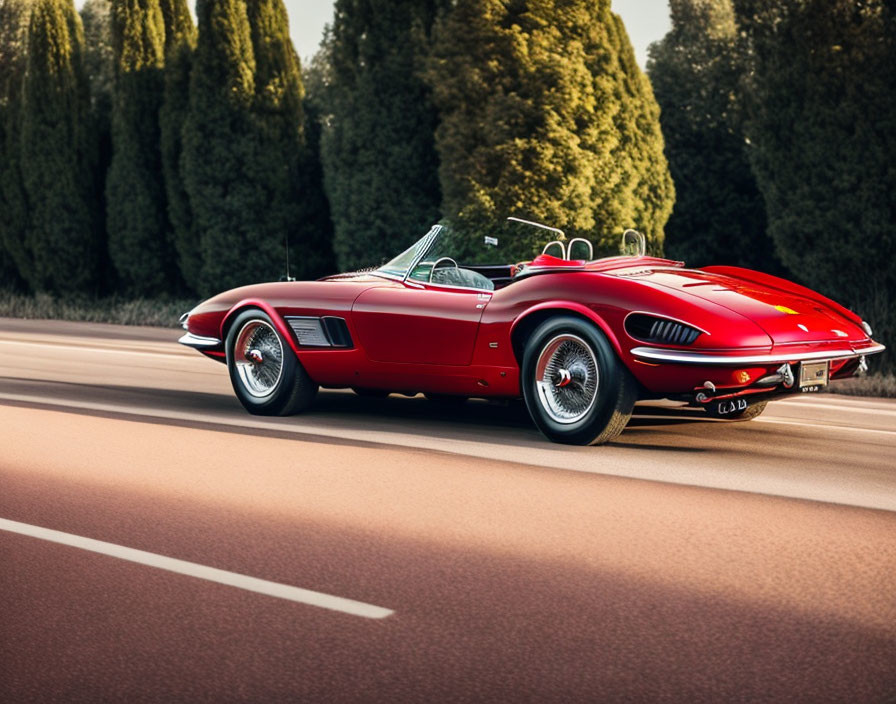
[[813, 374]]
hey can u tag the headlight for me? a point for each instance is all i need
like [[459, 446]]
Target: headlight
[[185, 317], [867, 328]]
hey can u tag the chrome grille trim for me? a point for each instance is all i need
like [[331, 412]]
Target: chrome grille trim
[[309, 332]]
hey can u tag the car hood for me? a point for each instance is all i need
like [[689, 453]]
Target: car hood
[[785, 316]]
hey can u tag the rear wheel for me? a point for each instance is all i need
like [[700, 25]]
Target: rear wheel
[[266, 376], [576, 389]]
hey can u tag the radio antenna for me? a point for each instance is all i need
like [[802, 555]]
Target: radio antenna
[[286, 243]]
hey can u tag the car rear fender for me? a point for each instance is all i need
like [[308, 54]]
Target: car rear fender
[[783, 285], [266, 307], [526, 322]]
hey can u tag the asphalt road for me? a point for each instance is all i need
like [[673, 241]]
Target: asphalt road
[[159, 544]]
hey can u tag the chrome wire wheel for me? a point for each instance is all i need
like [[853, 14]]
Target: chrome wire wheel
[[258, 358], [567, 378]]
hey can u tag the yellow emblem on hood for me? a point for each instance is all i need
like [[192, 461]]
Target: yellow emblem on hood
[[785, 309]]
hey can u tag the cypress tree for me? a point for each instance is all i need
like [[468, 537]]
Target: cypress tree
[[56, 161], [544, 116], [696, 70], [648, 182], [822, 127], [136, 217], [514, 92], [99, 56], [220, 143], [99, 65], [379, 159], [180, 42], [15, 262], [284, 158], [316, 215], [316, 233], [178, 24]]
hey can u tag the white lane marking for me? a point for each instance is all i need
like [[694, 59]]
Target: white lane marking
[[817, 425], [825, 426], [381, 436], [385, 437], [890, 411], [840, 400], [686, 470], [192, 569], [174, 351]]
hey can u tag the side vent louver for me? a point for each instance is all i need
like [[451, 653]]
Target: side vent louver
[[337, 331], [309, 332], [329, 331], [649, 328]]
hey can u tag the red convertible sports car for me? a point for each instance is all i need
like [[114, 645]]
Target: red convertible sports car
[[579, 339]]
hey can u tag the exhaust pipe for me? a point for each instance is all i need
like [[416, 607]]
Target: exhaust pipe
[[783, 375]]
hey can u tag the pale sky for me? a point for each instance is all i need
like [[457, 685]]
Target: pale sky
[[646, 21]]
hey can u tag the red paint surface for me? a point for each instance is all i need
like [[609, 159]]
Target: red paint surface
[[416, 337]]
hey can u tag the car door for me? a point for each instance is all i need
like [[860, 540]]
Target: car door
[[419, 323]]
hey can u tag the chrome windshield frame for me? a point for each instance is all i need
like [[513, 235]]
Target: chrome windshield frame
[[432, 236], [427, 241]]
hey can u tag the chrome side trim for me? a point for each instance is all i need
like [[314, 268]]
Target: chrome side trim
[[198, 342], [693, 357], [385, 275], [451, 287]]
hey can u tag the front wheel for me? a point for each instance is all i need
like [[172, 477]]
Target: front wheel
[[576, 389], [267, 377]]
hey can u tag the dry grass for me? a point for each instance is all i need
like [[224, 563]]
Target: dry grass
[[880, 385], [121, 311]]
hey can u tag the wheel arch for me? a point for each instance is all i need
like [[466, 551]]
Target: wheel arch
[[526, 323], [265, 307]]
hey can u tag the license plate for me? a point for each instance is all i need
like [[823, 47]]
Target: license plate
[[813, 374]]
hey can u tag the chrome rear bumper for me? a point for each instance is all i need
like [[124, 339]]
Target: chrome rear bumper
[[655, 354]]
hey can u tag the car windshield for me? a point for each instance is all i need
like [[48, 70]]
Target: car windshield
[[400, 265], [430, 257], [433, 260]]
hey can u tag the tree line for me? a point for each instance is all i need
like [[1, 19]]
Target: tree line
[[144, 154], [780, 124], [145, 157]]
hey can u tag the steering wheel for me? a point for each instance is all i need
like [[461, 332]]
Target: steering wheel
[[439, 261]]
